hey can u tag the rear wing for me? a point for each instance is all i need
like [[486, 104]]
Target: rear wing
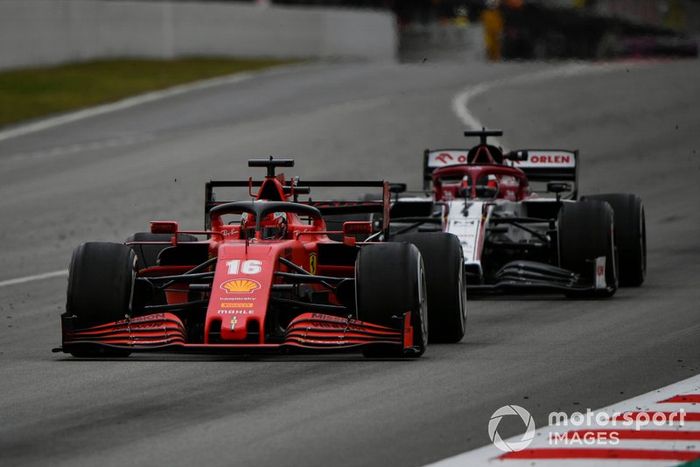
[[548, 165], [539, 165], [436, 158], [296, 187]]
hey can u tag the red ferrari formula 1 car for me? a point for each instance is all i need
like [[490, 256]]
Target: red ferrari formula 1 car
[[265, 277], [516, 237]]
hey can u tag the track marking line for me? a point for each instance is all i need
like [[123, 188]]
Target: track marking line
[[129, 102], [78, 148], [36, 277], [460, 102]]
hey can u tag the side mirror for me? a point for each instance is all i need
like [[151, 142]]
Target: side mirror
[[516, 156], [397, 188], [558, 187], [295, 191]]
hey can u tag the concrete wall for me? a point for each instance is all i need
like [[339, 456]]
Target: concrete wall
[[437, 42], [40, 32]]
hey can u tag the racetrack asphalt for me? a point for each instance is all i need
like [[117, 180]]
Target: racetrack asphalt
[[104, 178]]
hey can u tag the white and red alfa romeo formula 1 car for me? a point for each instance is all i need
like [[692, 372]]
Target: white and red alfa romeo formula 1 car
[[521, 223]]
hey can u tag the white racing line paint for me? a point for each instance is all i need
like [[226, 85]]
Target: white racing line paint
[[648, 442], [109, 143], [52, 122], [36, 277], [460, 102]]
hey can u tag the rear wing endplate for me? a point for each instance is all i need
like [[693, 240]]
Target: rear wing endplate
[[436, 158]]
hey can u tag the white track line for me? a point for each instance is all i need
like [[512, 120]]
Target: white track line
[[460, 102], [36, 277], [121, 105]]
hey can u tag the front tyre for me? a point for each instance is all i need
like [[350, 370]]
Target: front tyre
[[100, 288], [586, 232], [390, 281], [630, 236], [447, 291]]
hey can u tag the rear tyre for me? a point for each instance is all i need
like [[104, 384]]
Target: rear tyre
[[630, 236], [586, 233], [100, 288], [447, 292], [390, 281], [148, 254]]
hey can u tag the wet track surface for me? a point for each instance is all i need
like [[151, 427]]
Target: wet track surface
[[104, 178]]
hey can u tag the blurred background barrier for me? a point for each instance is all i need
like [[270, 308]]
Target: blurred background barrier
[[42, 32], [545, 29]]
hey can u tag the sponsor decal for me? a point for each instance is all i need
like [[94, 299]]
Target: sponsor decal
[[234, 321], [235, 312], [548, 159], [249, 267], [235, 286], [313, 261], [600, 272], [240, 299], [336, 319], [140, 319], [443, 158], [236, 305]]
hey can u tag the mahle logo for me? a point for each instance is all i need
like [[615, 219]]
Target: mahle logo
[[507, 411]]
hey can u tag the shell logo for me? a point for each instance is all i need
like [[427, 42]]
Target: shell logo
[[240, 286]]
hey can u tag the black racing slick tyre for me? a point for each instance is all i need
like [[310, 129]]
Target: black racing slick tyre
[[447, 291], [586, 232], [390, 281], [630, 236], [148, 254], [100, 288]]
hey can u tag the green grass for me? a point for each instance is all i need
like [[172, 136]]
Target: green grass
[[31, 93]]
